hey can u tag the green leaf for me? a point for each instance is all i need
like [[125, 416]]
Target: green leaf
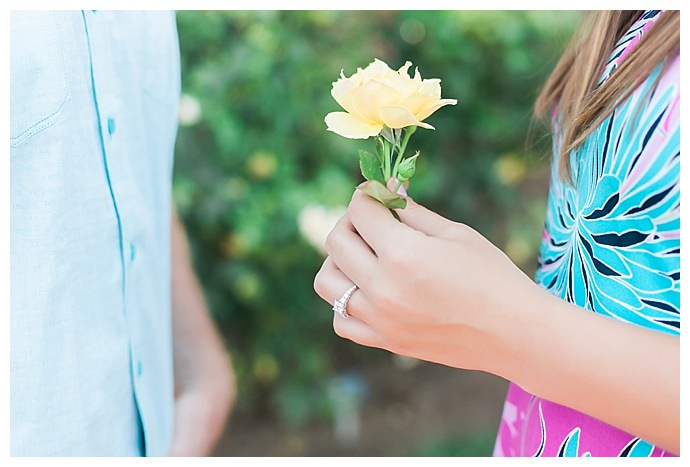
[[380, 149], [370, 166], [383, 195]]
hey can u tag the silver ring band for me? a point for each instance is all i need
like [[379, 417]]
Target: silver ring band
[[340, 305]]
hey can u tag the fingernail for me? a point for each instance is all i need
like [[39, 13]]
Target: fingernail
[[391, 186]]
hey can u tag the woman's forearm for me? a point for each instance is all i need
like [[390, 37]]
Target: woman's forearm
[[599, 366]]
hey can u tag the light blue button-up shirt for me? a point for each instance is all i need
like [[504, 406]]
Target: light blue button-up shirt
[[92, 128]]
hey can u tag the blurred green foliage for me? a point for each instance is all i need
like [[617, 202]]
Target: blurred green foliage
[[253, 152], [476, 445]]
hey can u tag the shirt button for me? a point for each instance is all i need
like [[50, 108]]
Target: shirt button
[[132, 251], [111, 126], [140, 369]]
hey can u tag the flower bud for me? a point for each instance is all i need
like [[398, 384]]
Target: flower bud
[[407, 167]]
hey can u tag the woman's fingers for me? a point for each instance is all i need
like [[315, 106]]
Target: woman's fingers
[[423, 220], [330, 284], [382, 232], [351, 254], [357, 331], [374, 223]]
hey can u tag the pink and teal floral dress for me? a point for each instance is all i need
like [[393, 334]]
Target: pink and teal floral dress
[[611, 245]]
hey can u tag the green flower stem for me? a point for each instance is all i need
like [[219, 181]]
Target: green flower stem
[[386, 159], [397, 186], [408, 132]]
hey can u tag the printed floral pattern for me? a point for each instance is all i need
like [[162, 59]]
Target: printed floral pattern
[[611, 245]]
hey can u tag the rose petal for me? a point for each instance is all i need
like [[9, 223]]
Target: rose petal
[[395, 116], [342, 91], [423, 114], [376, 70], [370, 97], [348, 126], [431, 87], [418, 104], [403, 69], [403, 84]]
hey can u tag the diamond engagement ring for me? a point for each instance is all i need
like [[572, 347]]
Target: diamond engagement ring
[[340, 305]]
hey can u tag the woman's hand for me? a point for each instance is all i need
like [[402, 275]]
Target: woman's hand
[[429, 288], [436, 290]]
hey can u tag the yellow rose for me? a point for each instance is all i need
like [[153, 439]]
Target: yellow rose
[[377, 96]]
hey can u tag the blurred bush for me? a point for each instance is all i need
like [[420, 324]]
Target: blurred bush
[[259, 181]]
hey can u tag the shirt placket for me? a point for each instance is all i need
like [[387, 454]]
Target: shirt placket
[[108, 110]]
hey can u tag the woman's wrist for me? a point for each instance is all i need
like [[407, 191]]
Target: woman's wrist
[[515, 327]]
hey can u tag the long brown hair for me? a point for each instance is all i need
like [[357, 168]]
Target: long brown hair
[[572, 85]]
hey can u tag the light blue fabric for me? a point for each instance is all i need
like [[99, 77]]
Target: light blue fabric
[[93, 122]]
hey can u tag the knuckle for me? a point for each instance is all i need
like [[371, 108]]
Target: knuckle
[[383, 299], [351, 211], [400, 257], [338, 328], [453, 232], [332, 242], [462, 231], [319, 286]]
